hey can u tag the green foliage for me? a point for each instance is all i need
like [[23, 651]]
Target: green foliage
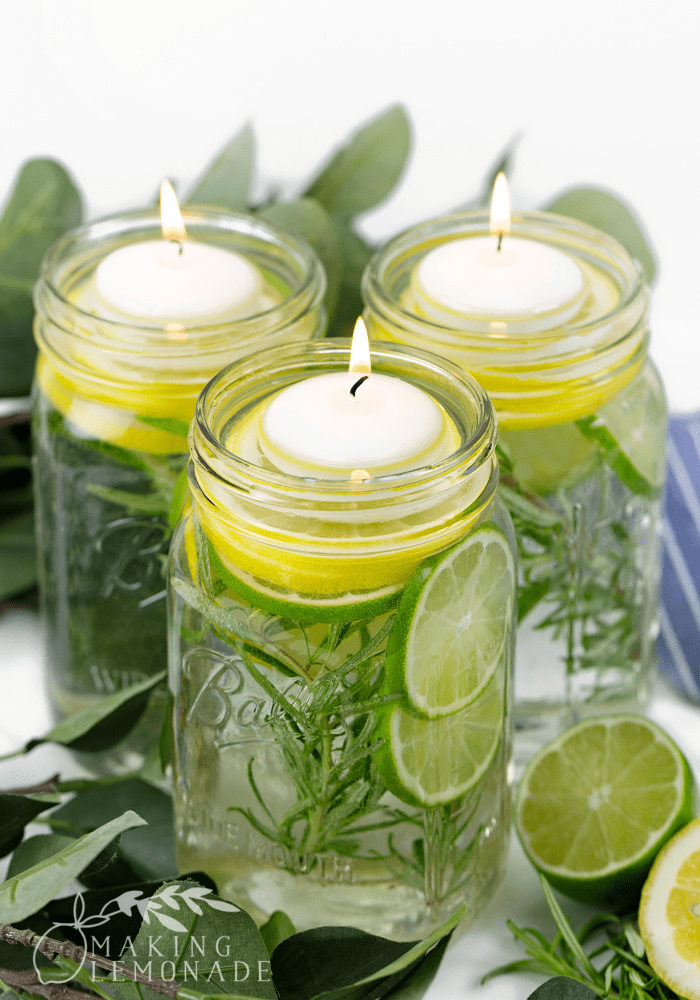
[[364, 171], [227, 181], [15, 812], [42, 206], [276, 930], [604, 959], [607, 212], [27, 892], [104, 724], [17, 554]]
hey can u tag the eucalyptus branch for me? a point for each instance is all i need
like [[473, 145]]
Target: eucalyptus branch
[[27, 980], [50, 948]]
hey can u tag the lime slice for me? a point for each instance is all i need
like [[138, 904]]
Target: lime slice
[[451, 624], [596, 805], [669, 914], [630, 432], [307, 610], [428, 762], [549, 458]]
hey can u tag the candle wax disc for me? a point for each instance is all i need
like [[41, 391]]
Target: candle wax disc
[[317, 426], [153, 279], [471, 276]]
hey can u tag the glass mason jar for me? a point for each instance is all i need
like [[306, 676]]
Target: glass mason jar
[[582, 423], [340, 654], [112, 405]]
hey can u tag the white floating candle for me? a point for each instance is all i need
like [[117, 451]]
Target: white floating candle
[[352, 424], [502, 279], [175, 278]]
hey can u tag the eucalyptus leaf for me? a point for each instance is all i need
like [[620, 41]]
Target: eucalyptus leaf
[[227, 180], [309, 219], [104, 724], [27, 892], [355, 253], [43, 204], [204, 943], [17, 554], [417, 982], [36, 849], [143, 854], [365, 171], [16, 811], [563, 988], [607, 212], [343, 963], [276, 930], [502, 164]]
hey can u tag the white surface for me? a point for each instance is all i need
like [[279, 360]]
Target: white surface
[[605, 92], [485, 945]]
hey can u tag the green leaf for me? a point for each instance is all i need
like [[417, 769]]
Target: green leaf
[[343, 963], [36, 849], [276, 930], [15, 812], [355, 255], [180, 496], [26, 893], [562, 988], [168, 424], [104, 724], [207, 945], [309, 219], [17, 554], [227, 180], [44, 204], [417, 982], [502, 164], [365, 171], [605, 211], [143, 854]]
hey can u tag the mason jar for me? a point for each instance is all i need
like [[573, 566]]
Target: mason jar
[[340, 656], [582, 421], [113, 399]]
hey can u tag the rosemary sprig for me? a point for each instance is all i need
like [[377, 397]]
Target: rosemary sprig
[[623, 973]]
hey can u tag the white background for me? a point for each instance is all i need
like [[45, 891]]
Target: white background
[[125, 92], [605, 92]]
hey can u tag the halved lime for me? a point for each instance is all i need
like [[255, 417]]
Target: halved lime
[[307, 609], [596, 805], [451, 624], [630, 431], [429, 762]]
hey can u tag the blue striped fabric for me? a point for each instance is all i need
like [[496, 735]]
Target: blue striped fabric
[[679, 637]]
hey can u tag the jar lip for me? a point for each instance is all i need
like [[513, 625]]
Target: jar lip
[[137, 226], [333, 354], [556, 230]]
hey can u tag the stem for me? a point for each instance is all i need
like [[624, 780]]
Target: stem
[[318, 815], [50, 948]]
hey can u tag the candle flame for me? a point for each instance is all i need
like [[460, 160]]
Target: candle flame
[[170, 217], [500, 207], [359, 349]]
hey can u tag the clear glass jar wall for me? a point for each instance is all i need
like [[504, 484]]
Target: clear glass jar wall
[[340, 658], [112, 405], [582, 421]]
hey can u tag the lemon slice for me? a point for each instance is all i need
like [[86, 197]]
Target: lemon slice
[[596, 805], [669, 915], [452, 623]]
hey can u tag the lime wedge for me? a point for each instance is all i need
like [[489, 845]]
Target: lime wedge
[[630, 432], [451, 624], [668, 914], [596, 805], [429, 762], [307, 609]]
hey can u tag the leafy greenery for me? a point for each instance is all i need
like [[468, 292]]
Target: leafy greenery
[[604, 959]]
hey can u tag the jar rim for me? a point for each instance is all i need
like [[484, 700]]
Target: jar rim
[[113, 231], [275, 367], [555, 230]]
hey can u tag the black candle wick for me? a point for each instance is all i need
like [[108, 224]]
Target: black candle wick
[[500, 240], [358, 384]]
